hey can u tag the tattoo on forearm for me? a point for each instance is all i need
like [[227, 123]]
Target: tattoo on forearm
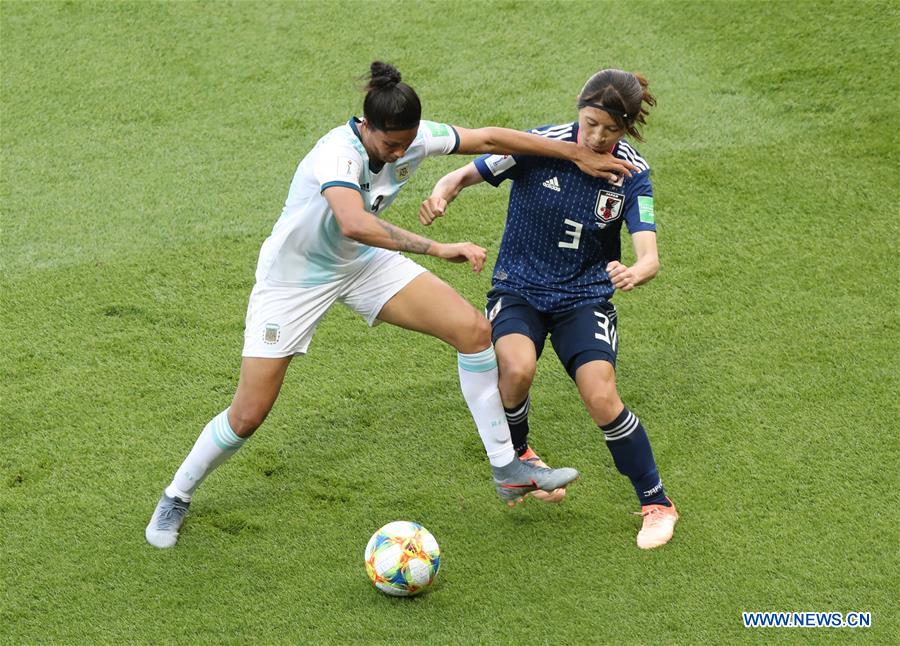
[[405, 240]]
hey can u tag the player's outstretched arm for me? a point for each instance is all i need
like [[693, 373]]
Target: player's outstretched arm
[[645, 267], [446, 190], [504, 141], [360, 225]]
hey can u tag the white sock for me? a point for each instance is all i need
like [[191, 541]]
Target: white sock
[[216, 444], [478, 379]]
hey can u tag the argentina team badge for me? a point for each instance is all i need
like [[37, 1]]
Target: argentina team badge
[[401, 173], [272, 333], [609, 206]]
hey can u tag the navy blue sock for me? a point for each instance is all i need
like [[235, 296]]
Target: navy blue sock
[[517, 418], [630, 447]]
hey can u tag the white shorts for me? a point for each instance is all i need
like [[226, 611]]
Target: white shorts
[[281, 320]]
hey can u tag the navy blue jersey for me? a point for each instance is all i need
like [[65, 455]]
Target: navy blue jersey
[[563, 226]]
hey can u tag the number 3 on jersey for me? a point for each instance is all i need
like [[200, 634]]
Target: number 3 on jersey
[[573, 231]]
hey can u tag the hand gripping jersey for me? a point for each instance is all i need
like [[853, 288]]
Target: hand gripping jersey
[[306, 247], [563, 226]]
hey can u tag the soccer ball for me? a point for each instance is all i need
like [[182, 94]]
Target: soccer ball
[[402, 558]]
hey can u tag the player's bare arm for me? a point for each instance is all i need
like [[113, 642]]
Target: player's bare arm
[[446, 190], [360, 225], [645, 267], [504, 141]]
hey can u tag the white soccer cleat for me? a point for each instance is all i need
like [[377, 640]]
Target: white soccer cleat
[[162, 531]]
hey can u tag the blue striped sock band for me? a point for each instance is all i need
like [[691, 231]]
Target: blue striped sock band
[[622, 426], [478, 362], [518, 415], [222, 435]]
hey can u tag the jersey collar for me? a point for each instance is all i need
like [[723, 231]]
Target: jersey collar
[[373, 166]]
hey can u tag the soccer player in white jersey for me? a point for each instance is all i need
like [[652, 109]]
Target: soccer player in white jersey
[[330, 245], [558, 267]]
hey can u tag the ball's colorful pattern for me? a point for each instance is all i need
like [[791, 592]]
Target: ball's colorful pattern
[[402, 558]]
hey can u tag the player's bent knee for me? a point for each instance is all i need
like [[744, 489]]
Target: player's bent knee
[[245, 421], [475, 336], [517, 375], [604, 404]]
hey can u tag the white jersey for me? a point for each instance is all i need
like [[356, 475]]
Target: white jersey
[[306, 247]]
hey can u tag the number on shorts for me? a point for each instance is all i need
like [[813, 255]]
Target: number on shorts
[[607, 332], [574, 233]]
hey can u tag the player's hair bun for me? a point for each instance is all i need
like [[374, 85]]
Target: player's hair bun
[[382, 75], [390, 104]]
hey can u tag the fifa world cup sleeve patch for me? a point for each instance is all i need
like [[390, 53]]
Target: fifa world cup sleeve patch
[[348, 168], [497, 164], [645, 208], [438, 129]]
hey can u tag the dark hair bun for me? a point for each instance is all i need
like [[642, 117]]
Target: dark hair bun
[[382, 75], [389, 103]]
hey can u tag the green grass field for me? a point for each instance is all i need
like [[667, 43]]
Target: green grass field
[[147, 149]]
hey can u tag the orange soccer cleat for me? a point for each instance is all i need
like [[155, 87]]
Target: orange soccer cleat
[[659, 524]]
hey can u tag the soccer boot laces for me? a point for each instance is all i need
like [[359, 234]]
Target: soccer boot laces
[[162, 531], [658, 526]]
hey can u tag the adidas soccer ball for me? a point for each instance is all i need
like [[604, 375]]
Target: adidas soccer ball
[[402, 558]]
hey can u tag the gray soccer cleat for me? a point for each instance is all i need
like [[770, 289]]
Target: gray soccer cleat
[[516, 479], [162, 531]]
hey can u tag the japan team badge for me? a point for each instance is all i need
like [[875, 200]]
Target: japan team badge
[[609, 206]]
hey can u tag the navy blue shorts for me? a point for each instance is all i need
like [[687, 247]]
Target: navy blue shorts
[[578, 336]]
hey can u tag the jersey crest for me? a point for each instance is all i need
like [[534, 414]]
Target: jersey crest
[[401, 172], [609, 207]]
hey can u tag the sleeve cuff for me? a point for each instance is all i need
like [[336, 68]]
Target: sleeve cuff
[[456, 145], [485, 172], [344, 184]]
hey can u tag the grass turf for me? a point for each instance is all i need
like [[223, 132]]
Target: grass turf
[[146, 151]]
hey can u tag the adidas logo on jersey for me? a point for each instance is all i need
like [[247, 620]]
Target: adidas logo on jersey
[[552, 184]]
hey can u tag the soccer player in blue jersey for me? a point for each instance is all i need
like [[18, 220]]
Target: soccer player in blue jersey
[[558, 267], [331, 245]]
